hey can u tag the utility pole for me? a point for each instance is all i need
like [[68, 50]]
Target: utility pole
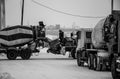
[[2, 14], [111, 6], [22, 12]]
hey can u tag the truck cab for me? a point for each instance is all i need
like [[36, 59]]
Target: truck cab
[[84, 38], [84, 42]]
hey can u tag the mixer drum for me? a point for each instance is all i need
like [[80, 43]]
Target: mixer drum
[[15, 36], [97, 35]]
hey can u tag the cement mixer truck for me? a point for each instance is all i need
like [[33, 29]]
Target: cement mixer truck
[[102, 52], [20, 41]]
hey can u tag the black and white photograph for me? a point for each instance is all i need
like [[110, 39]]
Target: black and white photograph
[[59, 39]]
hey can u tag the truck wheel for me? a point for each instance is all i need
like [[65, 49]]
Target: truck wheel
[[48, 51], [79, 63], [26, 54], [97, 65], [73, 54], [113, 70], [12, 54], [95, 62], [90, 61]]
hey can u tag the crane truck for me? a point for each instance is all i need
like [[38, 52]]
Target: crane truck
[[103, 50], [20, 41]]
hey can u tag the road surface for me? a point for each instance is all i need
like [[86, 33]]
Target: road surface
[[48, 66]]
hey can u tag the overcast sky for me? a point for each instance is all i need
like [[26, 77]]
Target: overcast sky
[[34, 12]]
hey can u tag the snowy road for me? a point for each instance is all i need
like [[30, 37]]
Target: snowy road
[[49, 66]]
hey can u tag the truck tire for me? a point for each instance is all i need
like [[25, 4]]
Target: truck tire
[[90, 61], [26, 54], [12, 54], [73, 53], [79, 63], [113, 69], [97, 65], [95, 62], [48, 51]]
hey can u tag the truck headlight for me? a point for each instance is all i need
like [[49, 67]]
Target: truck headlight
[[118, 65], [118, 61]]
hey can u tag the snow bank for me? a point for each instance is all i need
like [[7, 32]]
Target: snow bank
[[6, 75]]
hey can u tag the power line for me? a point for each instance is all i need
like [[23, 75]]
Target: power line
[[65, 12]]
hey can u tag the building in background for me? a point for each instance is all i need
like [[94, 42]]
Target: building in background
[[2, 14]]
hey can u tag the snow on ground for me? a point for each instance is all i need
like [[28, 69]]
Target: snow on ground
[[49, 66]]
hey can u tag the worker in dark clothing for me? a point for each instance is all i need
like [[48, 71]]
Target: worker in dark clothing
[[34, 32], [41, 33], [41, 24], [71, 34], [74, 38], [41, 29], [61, 36]]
